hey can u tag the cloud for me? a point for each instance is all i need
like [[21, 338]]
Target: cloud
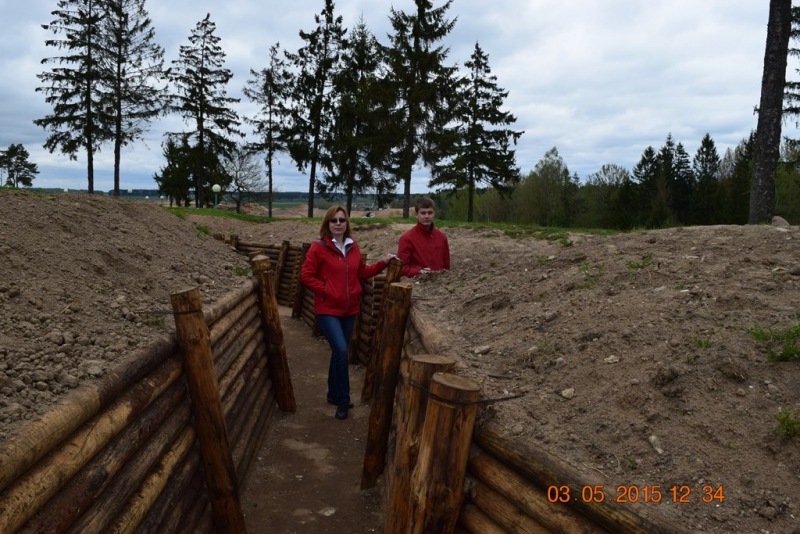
[[600, 80]]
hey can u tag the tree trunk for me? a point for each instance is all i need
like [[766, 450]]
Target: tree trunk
[[768, 131]]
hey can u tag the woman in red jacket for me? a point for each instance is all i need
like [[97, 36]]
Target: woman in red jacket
[[333, 270]]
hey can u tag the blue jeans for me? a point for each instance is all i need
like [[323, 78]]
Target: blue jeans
[[337, 330]]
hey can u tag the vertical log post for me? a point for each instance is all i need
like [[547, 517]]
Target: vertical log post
[[280, 263], [273, 334], [410, 414], [398, 304], [300, 290], [235, 241], [370, 378], [194, 348], [437, 482]]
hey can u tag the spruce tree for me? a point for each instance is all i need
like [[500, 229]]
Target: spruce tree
[[423, 88], [706, 165], [480, 152], [200, 79], [131, 64], [683, 185], [72, 86], [269, 89], [315, 66], [360, 143], [735, 183], [645, 173], [175, 177]]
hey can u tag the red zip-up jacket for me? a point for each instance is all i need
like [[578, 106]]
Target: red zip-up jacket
[[420, 247], [335, 277]]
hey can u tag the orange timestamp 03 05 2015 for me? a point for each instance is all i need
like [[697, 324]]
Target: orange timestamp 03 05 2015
[[680, 494]]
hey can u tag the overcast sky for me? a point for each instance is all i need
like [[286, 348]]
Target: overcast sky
[[600, 80]]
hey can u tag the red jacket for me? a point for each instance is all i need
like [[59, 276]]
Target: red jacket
[[420, 247], [335, 277]]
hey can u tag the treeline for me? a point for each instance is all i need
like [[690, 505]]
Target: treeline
[[356, 114], [665, 188]]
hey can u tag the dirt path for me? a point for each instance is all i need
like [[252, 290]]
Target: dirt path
[[306, 478]]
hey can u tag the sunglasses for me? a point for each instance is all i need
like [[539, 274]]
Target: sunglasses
[[339, 220]]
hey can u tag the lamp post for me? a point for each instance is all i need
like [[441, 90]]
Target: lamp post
[[216, 189]]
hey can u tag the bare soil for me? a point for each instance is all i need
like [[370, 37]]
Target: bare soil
[[632, 353]]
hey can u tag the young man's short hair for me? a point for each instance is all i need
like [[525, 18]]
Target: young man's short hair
[[422, 203]]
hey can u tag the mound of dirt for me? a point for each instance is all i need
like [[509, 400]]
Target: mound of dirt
[[633, 353]]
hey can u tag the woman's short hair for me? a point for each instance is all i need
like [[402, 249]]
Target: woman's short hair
[[325, 229]]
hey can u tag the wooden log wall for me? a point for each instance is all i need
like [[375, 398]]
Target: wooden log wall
[[504, 492], [508, 480], [121, 454], [285, 261]]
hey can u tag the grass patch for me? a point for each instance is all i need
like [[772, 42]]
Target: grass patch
[[647, 260], [183, 213], [702, 342], [155, 320], [786, 337], [788, 426], [591, 275], [244, 271], [202, 231]]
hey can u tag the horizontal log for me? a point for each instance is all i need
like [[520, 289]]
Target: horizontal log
[[153, 485], [365, 338], [216, 310], [309, 320], [368, 319], [227, 321], [544, 469], [256, 409], [309, 313], [432, 339], [251, 331], [104, 510], [475, 521], [522, 494], [247, 358], [33, 440], [502, 512], [83, 489], [186, 483], [33, 489], [266, 246], [362, 355]]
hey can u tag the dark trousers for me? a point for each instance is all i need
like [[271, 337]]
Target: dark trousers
[[337, 330]]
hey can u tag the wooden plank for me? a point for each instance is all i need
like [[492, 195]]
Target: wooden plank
[[438, 479], [195, 352], [544, 469]]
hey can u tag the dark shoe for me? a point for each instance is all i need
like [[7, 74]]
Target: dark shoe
[[331, 401], [341, 412]]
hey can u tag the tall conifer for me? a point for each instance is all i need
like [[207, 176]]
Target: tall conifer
[[72, 85], [200, 80], [481, 149]]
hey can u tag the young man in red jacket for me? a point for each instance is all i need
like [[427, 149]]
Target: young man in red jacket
[[424, 248]]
